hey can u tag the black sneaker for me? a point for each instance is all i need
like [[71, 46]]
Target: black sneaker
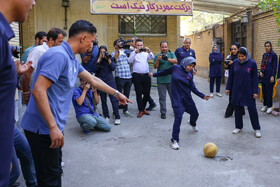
[[151, 107], [163, 116]]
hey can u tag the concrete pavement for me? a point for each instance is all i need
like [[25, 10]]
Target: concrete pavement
[[138, 152]]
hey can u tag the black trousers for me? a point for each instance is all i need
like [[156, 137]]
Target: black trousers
[[142, 85], [267, 89], [47, 161], [123, 86], [230, 107]]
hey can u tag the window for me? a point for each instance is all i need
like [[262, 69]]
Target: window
[[142, 25]]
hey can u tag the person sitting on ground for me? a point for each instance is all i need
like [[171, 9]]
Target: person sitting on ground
[[267, 76], [244, 93], [181, 87], [84, 100], [104, 67]]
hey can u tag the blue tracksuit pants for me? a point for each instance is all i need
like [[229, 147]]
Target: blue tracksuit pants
[[253, 117]]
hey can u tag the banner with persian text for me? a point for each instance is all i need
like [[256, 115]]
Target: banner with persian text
[[183, 8]]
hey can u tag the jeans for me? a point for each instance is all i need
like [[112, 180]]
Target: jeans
[[123, 86], [90, 122], [114, 103], [142, 85], [23, 152], [218, 84], [46, 160], [162, 87]]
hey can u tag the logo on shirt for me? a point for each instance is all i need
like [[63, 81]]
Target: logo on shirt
[[190, 53], [249, 69]]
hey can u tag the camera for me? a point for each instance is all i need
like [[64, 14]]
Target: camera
[[164, 56], [123, 44], [15, 51], [107, 55], [228, 59], [95, 42], [143, 50]]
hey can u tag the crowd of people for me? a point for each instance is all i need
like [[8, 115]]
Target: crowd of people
[[47, 76]]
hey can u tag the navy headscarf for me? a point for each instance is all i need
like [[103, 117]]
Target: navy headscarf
[[218, 51], [247, 55], [187, 61]]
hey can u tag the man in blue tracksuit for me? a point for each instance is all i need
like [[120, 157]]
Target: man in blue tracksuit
[[181, 87]]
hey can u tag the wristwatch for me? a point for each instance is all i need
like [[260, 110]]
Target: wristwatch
[[116, 93]]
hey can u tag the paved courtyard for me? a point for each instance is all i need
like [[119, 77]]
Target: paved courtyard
[[137, 153]]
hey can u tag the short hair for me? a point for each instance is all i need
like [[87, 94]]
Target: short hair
[[187, 39], [242, 51], [81, 26], [116, 42], [138, 40], [54, 32], [163, 42], [40, 35]]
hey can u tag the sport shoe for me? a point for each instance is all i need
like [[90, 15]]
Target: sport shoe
[[269, 110], [151, 107], [219, 95], [264, 108], [117, 122], [236, 131], [127, 114], [211, 95], [163, 116], [174, 145], [86, 132], [195, 128], [107, 119], [258, 133]]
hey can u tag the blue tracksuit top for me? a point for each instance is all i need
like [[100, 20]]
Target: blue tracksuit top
[[243, 79], [270, 68], [104, 71], [215, 60], [181, 86], [182, 53]]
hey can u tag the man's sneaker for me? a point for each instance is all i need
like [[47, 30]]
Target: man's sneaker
[[174, 145], [107, 119], [269, 110], [264, 108], [211, 95], [163, 116], [219, 95], [258, 133], [127, 114], [151, 107], [195, 128], [86, 132], [236, 131], [117, 122], [62, 164]]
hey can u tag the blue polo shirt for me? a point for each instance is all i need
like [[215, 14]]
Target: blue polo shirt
[[8, 82], [83, 109], [182, 53], [60, 65], [93, 59], [25, 53]]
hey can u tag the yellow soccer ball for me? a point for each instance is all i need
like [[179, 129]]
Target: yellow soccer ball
[[210, 149]]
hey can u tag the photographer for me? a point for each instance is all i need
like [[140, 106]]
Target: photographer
[[142, 81], [162, 61], [104, 67], [123, 75], [90, 57]]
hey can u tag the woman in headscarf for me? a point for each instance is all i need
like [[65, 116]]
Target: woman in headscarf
[[243, 84], [228, 62], [181, 87], [215, 70], [267, 76]]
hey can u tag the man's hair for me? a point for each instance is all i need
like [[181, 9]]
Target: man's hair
[[81, 26], [187, 39], [134, 37], [163, 42], [116, 42], [40, 35], [54, 32], [138, 40]]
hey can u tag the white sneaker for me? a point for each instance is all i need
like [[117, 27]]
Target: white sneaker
[[264, 108], [219, 95], [108, 120], [258, 134], [195, 128], [211, 95], [127, 114], [236, 131], [269, 110], [174, 145], [117, 122]]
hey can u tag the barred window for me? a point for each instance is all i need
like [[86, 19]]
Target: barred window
[[142, 25]]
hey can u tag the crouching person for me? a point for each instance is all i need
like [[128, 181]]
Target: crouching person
[[181, 87], [84, 101]]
